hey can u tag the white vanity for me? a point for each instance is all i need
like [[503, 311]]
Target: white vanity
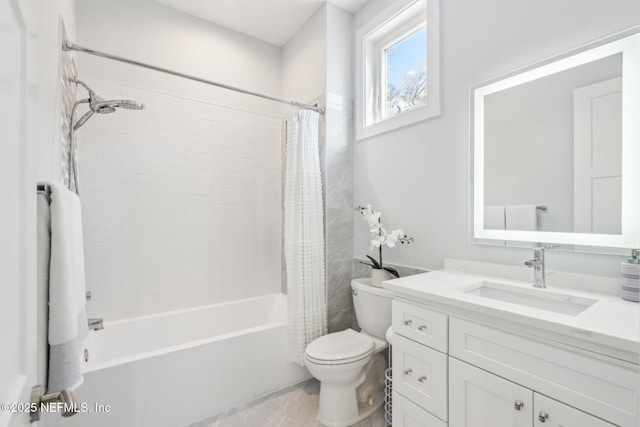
[[476, 345]]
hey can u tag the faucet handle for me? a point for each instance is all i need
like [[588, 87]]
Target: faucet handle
[[533, 262]]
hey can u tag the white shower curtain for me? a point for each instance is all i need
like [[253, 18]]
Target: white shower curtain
[[304, 234]]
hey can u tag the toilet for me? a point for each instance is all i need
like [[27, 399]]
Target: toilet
[[350, 365]]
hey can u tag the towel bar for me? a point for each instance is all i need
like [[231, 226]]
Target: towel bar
[[44, 189], [38, 398]]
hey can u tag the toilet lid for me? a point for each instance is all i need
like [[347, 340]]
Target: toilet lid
[[344, 346]]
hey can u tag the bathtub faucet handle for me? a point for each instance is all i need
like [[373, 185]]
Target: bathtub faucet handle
[[95, 324]]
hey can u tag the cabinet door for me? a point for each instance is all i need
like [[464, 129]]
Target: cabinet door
[[480, 399], [420, 374], [551, 413], [408, 414]]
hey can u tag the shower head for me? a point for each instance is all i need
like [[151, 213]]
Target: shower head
[[99, 105]]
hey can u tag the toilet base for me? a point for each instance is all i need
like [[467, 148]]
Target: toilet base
[[340, 407], [364, 410]]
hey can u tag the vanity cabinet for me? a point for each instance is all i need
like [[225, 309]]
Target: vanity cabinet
[[482, 399], [463, 370]]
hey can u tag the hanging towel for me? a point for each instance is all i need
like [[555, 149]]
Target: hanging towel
[[493, 220], [67, 317], [523, 218]]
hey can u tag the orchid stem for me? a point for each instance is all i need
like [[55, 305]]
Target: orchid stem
[[380, 234]]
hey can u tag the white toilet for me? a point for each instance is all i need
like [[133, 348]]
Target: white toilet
[[350, 365]]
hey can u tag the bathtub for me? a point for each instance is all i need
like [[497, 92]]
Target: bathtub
[[175, 369]]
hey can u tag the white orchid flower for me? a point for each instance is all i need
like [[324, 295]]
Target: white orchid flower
[[393, 237], [380, 236]]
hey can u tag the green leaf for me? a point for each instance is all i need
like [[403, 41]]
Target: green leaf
[[375, 263], [393, 271]]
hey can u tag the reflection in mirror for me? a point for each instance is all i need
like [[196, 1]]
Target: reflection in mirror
[[556, 150], [533, 156]]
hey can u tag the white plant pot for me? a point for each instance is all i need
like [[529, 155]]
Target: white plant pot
[[379, 275]]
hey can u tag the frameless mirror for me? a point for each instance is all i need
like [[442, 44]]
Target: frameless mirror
[[556, 150]]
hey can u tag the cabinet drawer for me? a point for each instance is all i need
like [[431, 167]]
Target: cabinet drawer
[[420, 324], [605, 389], [408, 414], [420, 374], [550, 413]]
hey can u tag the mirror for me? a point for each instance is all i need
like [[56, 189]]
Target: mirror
[[556, 151]]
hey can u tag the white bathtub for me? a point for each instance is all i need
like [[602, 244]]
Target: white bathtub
[[178, 368]]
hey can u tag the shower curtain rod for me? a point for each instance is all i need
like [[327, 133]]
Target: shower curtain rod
[[67, 45]]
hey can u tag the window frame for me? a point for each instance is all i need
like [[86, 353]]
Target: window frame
[[393, 24]]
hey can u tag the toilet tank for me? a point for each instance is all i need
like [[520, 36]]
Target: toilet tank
[[373, 307]]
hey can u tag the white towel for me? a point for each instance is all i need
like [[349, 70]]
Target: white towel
[[523, 218], [493, 220], [67, 316]]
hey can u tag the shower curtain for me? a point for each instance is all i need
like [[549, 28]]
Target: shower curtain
[[304, 234]]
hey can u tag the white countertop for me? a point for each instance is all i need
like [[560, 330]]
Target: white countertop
[[610, 326]]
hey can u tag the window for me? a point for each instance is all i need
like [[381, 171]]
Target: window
[[404, 77], [398, 74]]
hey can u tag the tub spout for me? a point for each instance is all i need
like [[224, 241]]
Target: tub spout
[[95, 324]]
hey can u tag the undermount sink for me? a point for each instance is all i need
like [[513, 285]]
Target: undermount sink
[[534, 298]]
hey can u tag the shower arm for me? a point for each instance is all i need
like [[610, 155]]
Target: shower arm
[[81, 83]]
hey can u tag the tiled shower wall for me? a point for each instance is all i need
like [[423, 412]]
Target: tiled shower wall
[[181, 204], [337, 154]]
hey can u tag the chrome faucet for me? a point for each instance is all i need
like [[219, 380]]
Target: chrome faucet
[[538, 268], [95, 324]]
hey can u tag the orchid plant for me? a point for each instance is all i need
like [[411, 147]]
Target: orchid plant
[[381, 237]]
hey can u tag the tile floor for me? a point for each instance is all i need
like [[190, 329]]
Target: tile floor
[[296, 406]]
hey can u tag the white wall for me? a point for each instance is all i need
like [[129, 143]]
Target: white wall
[[418, 175], [304, 60], [148, 32], [43, 23]]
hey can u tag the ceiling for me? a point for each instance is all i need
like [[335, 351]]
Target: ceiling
[[273, 21]]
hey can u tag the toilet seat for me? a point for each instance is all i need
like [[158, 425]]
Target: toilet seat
[[339, 348]]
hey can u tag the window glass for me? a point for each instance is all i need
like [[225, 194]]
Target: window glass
[[406, 73]]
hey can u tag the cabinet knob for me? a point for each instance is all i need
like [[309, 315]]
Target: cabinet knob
[[423, 379], [518, 405], [422, 327], [408, 322], [543, 417], [408, 371]]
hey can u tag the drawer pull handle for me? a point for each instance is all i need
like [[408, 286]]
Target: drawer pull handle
[[423, 379], [543, 417], [408, 322], [408, 371], [422, 327], [518, 405]]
